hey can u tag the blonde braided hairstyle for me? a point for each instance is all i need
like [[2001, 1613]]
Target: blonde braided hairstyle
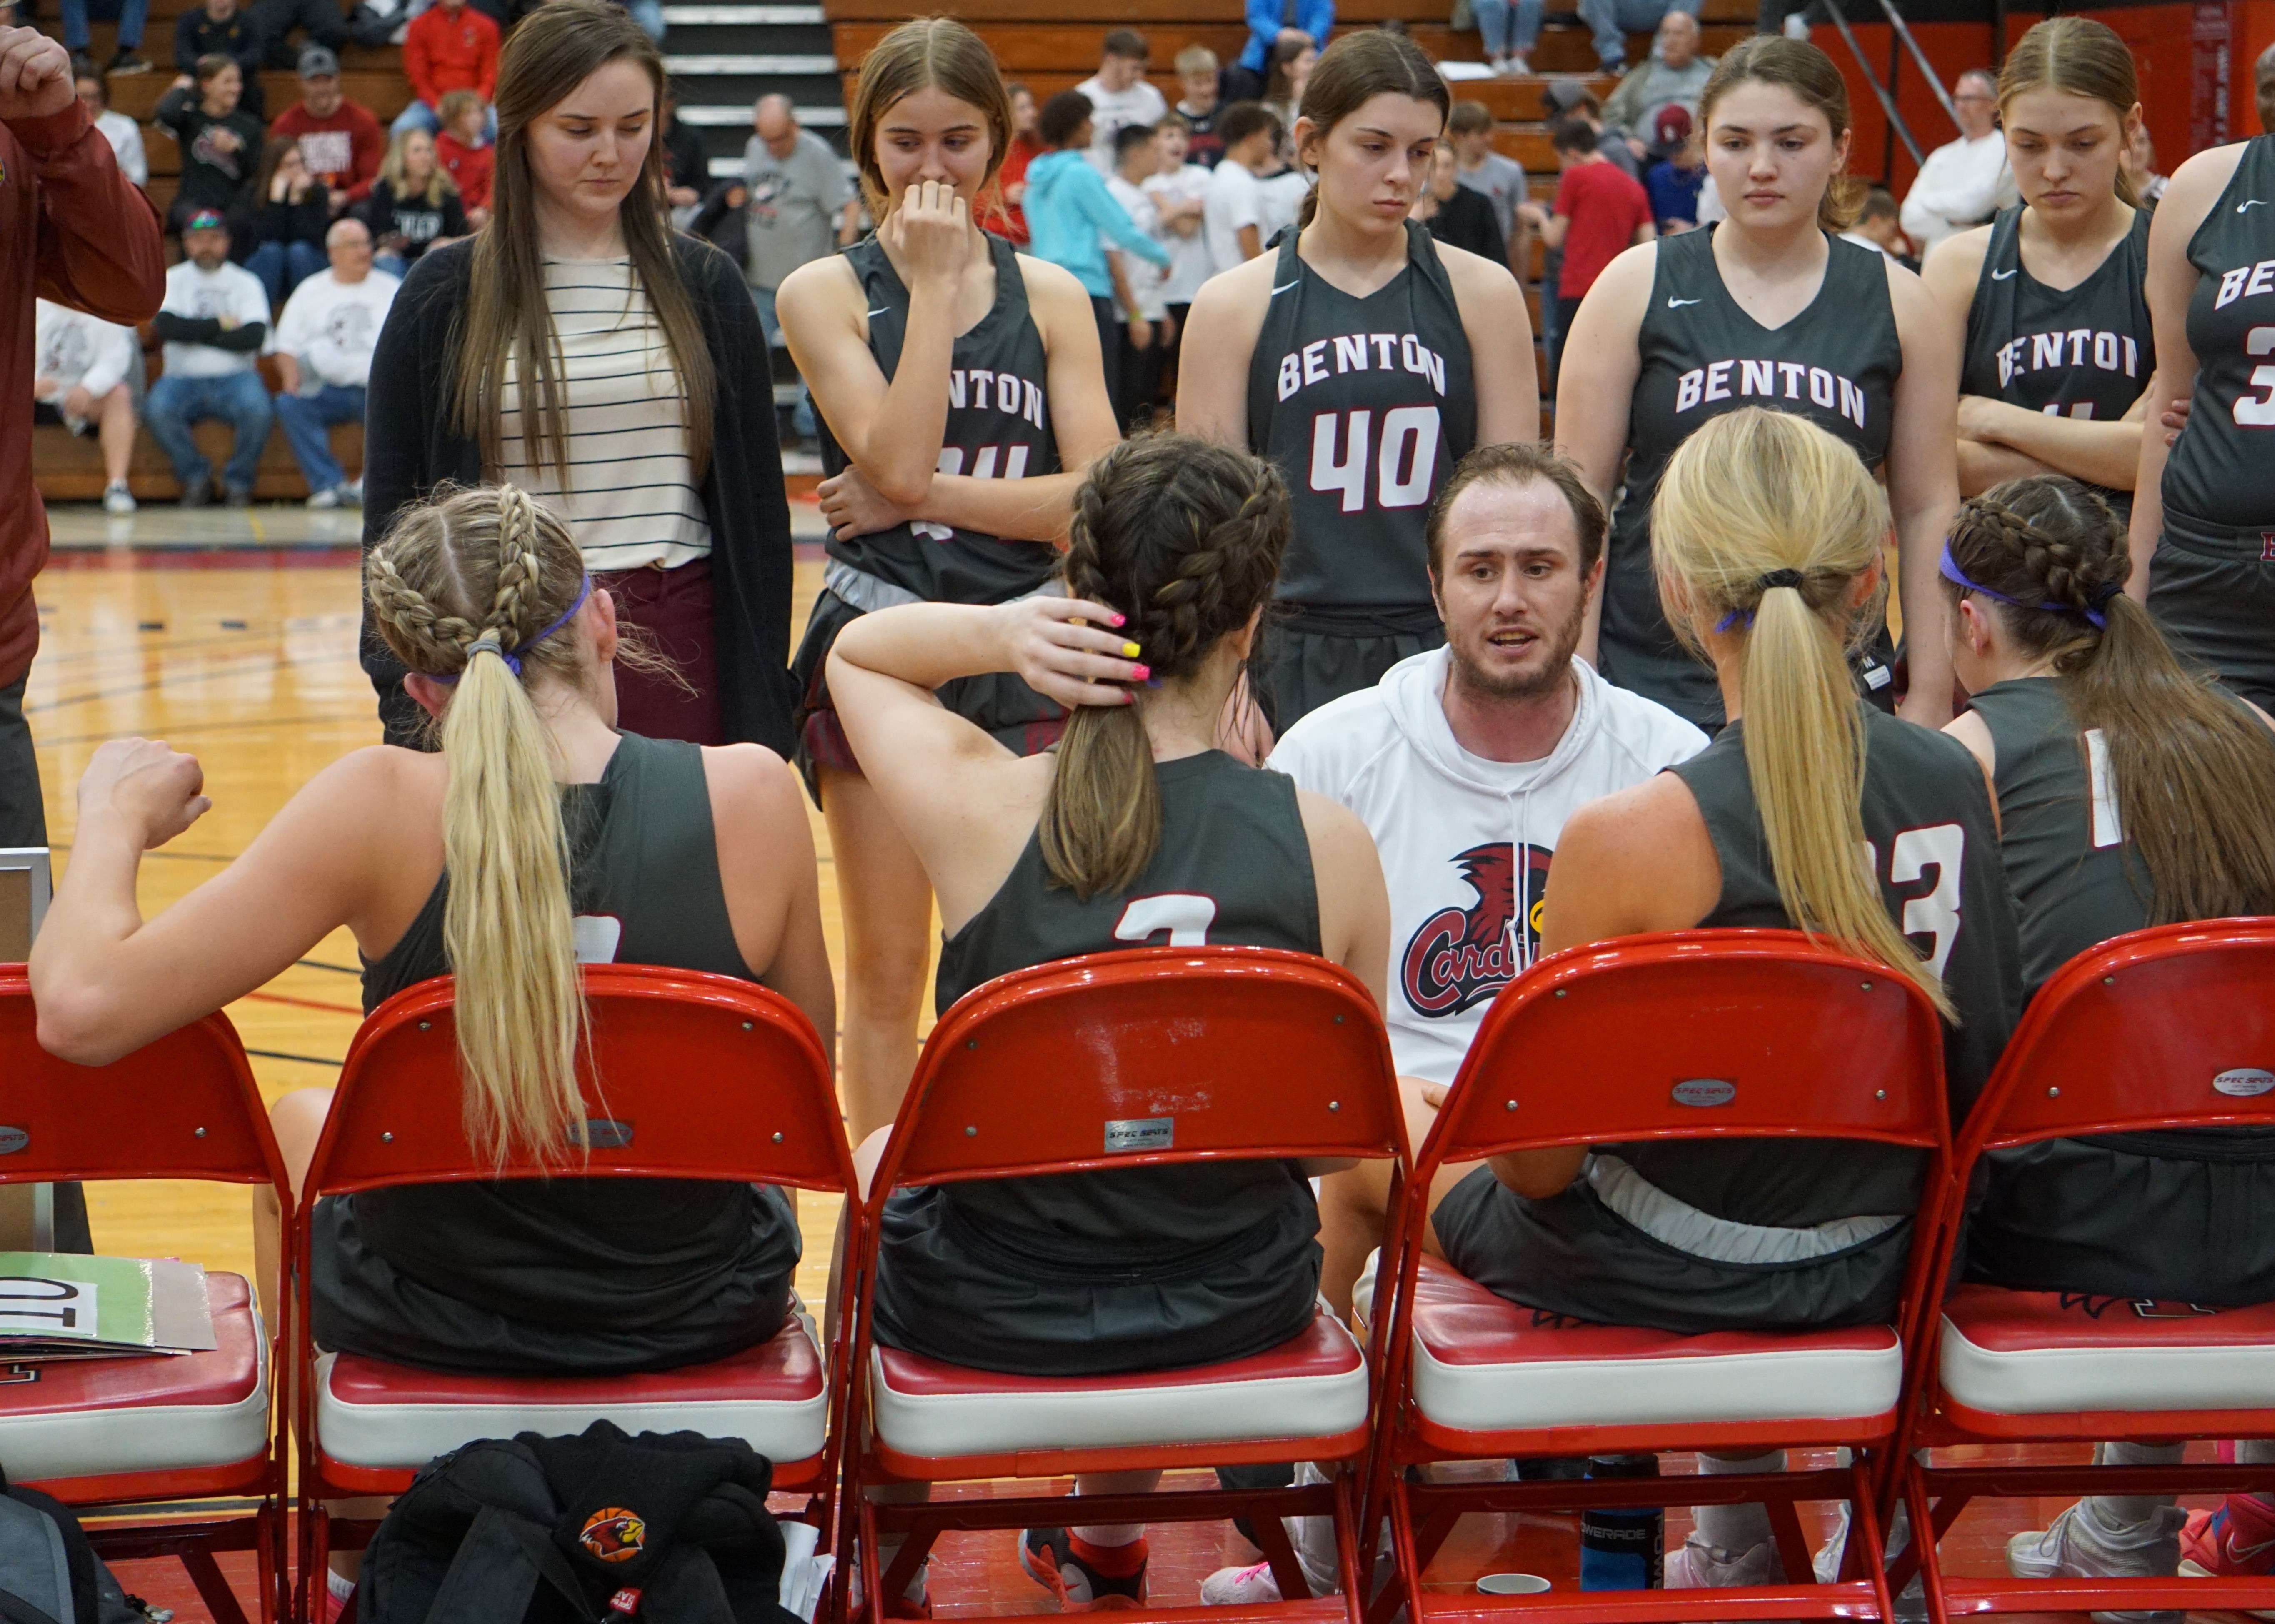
[[469, 574], [1184, 537]]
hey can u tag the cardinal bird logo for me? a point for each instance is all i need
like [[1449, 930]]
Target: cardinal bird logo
[[1461, 957], [613, 1534]]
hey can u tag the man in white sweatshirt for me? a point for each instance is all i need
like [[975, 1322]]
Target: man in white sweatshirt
[[1463, 763]]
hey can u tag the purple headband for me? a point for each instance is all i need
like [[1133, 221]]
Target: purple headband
[[1950, 571], [512, 656]]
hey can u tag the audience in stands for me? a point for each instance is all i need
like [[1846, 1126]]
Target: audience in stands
[[494, 365], [414, 205], [323, 346], [1674, 77], [1599, 212], [801, 208], [1174, 545], [1179, 192], [1287, 70], [1268, 20], [1570, 98], [1119, 94], [220, 141], [1072, 216], [1964, 182], [219, 29], [1232, 210], [1140, 290], [213, 324], [2130, 794], [1026, 146], [1675, 180], [1611, 21], [465, 156], [82, 368], [295, 211], [686, 166], [322, 21], [493, 859], [1501, 179], [132, 16], [449, 46], [1454, 214], [2140, 164], [1507, 31], [1878, 226], [341, 140], [124, 134], [1198, 101]]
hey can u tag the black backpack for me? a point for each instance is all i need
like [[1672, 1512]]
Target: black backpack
[[598, 1528], [48, 1574]]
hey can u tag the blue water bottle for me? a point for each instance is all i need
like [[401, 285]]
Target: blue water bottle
[[1622, 1548]]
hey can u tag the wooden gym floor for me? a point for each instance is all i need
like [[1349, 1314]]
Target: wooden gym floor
[[232, 635]]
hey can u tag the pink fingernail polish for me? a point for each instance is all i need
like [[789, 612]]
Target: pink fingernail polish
[[1120, 619], [1141, 673]]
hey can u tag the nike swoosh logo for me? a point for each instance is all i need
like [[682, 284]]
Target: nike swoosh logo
[[2001, 276], [1283, 287], [2247, 202], [2241, 1554], [1677, 304], [881, 310]]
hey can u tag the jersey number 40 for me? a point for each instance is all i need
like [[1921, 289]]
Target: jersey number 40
[[1401, 466]]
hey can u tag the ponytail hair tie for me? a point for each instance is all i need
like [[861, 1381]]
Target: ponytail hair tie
[[491, 641], [1779, 577]]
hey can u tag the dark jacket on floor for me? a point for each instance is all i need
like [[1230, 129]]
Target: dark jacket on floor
[[410, 446]]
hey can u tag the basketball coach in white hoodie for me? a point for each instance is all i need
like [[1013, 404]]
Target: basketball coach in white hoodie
[[1464, 762]]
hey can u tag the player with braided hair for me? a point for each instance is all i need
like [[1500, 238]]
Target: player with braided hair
[[1138, 830], [537, 837], [2131, 791]]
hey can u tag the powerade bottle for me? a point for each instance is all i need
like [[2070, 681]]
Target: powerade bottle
[[1622, 1548]]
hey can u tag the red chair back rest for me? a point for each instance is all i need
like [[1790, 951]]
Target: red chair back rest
[[2173, 1026], [1698, 1034], [686, 1076], [1148, 1056], [183, 1107]]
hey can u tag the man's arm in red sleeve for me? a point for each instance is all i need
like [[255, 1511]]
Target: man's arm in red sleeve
[[99, 248], [486, 58], [416, 65]]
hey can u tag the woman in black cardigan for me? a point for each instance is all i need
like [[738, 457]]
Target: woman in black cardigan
[[649, 425]]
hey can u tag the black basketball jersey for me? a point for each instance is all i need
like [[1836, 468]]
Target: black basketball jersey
[[643, 882], [2085, 353], [2219, 481], [1935, 854], [2077, 881], [1234, 867], [1366, 405], [1836, 364], [999, 427]]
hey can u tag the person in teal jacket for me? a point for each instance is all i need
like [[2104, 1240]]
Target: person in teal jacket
[[1069, 212]]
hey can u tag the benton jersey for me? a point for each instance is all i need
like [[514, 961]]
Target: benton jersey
[[2219, 481], [2085, 352], [1835, 363], [1366, 405], [999, 427]]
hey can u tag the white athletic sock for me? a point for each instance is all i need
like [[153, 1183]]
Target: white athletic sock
[[1110, 1534], [340, 1585], [2113, 1511], [1735, 1529]]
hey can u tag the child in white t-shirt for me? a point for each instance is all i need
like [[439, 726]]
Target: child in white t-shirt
[[1177, 192]]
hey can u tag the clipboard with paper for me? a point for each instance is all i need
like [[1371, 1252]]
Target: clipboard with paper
[[56, 1306]]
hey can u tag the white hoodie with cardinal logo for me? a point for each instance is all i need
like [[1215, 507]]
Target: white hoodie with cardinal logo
[[1466, 842]]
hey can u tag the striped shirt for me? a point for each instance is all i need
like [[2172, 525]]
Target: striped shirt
[[633, 500]]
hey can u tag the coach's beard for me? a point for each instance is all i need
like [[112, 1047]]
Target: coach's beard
[[1561, 642]]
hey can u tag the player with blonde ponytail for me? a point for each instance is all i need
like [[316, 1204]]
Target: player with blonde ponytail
[[1766, 541], [536, 836]]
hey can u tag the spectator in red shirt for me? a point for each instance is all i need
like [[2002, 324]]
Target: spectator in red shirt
[[340, 141], [75, 231], [449, 46], [1599, 212], [461, 150], [1011, 179]]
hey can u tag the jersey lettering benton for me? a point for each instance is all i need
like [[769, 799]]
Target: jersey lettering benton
[[2219, 481], [1366, 405], [999, 427], [1835, 363], [2083, 353]]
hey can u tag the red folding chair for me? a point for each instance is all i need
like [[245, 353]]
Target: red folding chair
[[124, 1440], [1183, 1055], [1689, 1035], [687, 1076], [2172, 1027]]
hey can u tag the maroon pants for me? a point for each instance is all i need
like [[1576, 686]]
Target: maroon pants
[[672, 609]]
